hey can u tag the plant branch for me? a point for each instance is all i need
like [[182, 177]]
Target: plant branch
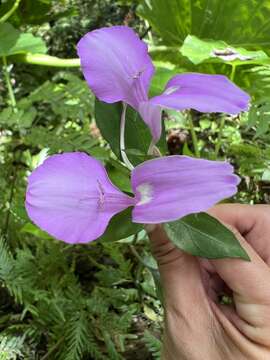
[[193, 136], [45, 60], [7, 15], [12, 177], [9, 85], [220, 133], [223, 120]]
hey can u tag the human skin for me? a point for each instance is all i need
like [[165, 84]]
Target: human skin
[[197, 326]]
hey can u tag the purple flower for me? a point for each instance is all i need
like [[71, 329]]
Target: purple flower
[[117, 67], [71, 197]]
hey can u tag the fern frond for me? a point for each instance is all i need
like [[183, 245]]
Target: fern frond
[[11, 347], [76, 337], [153, 344]]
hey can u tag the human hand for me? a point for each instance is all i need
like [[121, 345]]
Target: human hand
[[197, 326]]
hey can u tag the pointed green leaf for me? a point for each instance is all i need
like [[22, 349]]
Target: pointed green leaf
[[203, 235]]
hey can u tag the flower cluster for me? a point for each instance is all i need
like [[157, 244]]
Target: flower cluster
[[71, 196]]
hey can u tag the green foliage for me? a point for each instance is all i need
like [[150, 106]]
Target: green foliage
[[99, 301], [153, 344], [10, 347], [232, 21]]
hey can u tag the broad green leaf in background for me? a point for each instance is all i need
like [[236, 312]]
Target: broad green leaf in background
[[240, 23], [12, 41], [202, 235], [197, 51], [137, 134]]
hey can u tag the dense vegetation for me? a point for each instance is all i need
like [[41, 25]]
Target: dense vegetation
[[99, 301]]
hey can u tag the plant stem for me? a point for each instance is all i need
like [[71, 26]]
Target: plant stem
[[223, 120], [232, 72], [193, 136], [139, 258], [9, 86], [7, 15], [122, 138], [220, 133], [46, 60]]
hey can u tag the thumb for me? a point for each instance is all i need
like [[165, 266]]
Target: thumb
[[179, 272]]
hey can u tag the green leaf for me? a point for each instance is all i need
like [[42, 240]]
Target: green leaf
[[137, 134], [202, 235], [121, 227], [240, 23], [12, 42], [197, 51]]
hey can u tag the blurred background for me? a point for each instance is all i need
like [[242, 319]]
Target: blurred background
[[100, 301]]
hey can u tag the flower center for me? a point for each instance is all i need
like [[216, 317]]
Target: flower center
[[146, 193]]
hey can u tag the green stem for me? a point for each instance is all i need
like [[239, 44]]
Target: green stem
[[193, 136], [9, 86], [10, 12], [46, 60], [223, 120], [139, 258], [220, 133], [233, 72]]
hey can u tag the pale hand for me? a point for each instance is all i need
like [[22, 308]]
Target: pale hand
[[196, 326]]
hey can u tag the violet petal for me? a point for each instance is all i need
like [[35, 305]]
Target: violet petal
[[116, 65], [151, 114], [169, 188], [204, 93], [71, 197]]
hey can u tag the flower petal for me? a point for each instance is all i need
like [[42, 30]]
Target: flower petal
[[151, 114], [71, 197], [116, 64], [169, 188], [202, 92]]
